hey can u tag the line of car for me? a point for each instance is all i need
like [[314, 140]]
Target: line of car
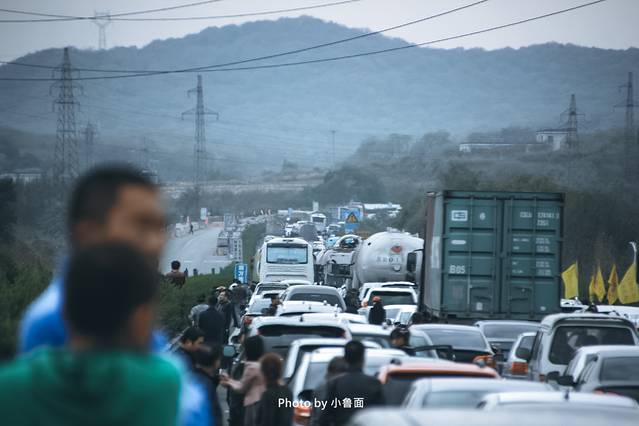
[[496, 365]]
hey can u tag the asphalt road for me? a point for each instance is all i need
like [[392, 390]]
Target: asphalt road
[[196, 251]]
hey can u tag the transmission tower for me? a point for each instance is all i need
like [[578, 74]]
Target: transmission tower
[[199, 151], [65, 159], [89, 133], [569, 116], [631, 147], [102, 20]]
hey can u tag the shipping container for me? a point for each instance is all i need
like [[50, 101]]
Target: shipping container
[[492, 254]]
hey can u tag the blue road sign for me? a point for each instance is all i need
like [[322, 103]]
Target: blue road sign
[[241, 272], [352, 218]]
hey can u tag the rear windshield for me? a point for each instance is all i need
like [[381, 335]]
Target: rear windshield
[[458, 339], [259, 304], [383, 341], [331, 299], [453, 399], [315, 375], [278, 338], [393, 298], [622, 369], [568, 339], [507, 331]]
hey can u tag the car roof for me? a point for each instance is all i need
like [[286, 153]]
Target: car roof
[[352, 318], [525, 417], [312, 289], [300, 321], [326, 354], [505, 322], [582, 398], [391, 290], [312, 341], [442, 384], [550, 321], [369, 329], [287, 240], [435, 366], [426, 327], [607, 350], [401, 307]]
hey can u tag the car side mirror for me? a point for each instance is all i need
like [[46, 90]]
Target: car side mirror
[[553, 376], [229, 351], [306, 395], [567, 380], [523, 353]]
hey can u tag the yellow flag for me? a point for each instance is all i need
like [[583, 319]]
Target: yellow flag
[[599, 286], [571, 281], [591, 289], [628, 291], [613, 281]]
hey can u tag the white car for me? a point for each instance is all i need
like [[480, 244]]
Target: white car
[[343, 316], [516, 367], [364, 289], [556, 400], [290, 308], [391, 296]]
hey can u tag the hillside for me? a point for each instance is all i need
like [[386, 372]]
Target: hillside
[[270, 115]]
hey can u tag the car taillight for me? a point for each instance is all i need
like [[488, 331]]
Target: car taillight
[[302, 414], [605, 392], [519, 368]]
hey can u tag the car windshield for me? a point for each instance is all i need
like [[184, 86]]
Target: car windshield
[[458, 339], [278, 338], [257, 306], [622, 369], [383, 341], [567, 339], [315, 374], [393, 298], [391, 313], [417, 341], [265, 288], [287, 254], [331, 299], [507, 331]]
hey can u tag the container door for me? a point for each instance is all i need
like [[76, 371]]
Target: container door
[[471, 263], [531, 252]]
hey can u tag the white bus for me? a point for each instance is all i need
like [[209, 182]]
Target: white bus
[[319, 220], [286, 259]]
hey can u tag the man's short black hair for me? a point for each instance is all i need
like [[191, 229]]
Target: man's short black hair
[[96, 192], [175, 264], [354, 353], [254, 348], [191, 334], [104, 284]]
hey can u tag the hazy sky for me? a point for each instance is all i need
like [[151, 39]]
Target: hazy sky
[[612, 24]]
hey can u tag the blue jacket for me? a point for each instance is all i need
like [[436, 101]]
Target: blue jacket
[[43, 325]]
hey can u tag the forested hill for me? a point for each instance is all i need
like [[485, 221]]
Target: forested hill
[[277, 113]]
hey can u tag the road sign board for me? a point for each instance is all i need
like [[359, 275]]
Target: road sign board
[[352, 218], [241, 272]]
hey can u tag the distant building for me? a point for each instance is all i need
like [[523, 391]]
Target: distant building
[[23, 175], [556, 138]]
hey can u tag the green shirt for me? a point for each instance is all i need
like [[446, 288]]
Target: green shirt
[[62, 387]]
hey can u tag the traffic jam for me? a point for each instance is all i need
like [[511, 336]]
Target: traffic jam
[[471, 317]]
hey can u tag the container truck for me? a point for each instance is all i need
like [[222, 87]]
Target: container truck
[[492, 255]]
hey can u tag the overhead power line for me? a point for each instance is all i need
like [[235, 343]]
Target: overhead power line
[[336, 58], [271, 56], [123, 17]]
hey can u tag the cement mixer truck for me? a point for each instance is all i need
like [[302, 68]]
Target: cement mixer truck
[[387, 256]]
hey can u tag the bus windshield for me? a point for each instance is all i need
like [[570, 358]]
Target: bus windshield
[[287, 254]]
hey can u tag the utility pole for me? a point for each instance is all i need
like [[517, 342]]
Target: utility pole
[[333, 141], [571, 124], [631, 147], [89, 133], [65, 159], [102, 20], [200, 137]]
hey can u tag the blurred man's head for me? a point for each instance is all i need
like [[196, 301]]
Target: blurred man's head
[[175, 265], [191, 339], [223, 297], [110, 297], [117, 203], [275, 299], [399, 337], [208, 358], [354, 354], [336, 366]]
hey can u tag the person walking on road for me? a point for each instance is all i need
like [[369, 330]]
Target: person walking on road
[[225, 309], [239, 296], [377, 314], [190, 227], [198, 309], [351, 386], [400, 338], [207, 364], [190, 342], [176, 277], [252, 382], [271, 411], [211, 322]]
